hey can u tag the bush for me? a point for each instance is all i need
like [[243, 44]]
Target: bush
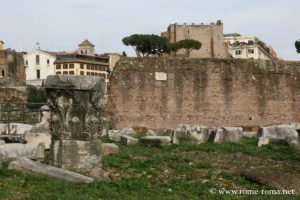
[[37, 96]]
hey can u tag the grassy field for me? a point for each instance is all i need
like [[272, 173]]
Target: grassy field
[[172, 172]]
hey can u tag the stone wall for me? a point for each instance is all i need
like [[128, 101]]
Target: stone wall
[[13, 94], [163, 92], [12, 69]]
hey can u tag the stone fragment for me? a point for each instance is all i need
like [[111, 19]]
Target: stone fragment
[[278, 179], [2, 142], [128, 140], [128, 131], [44, 137], [15, 128], [170, 133], [16, 150], [249, 134], [109, 149], [228, 134], [263, 141], [156, 141], [151, 133], [189, 134], [285, 133], [115, 135], [27, 165]]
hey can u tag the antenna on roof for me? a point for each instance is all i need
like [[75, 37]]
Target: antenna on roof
[[38, 46]]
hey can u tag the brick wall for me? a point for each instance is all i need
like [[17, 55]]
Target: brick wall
[[211, 92]]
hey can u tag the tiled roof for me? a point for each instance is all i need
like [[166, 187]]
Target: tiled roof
[[86, 43]]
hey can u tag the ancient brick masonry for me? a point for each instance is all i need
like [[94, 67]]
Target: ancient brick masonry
[[162, 92], [76, 104]]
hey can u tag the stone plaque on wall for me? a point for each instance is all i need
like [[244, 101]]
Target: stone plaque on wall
[[160, 76]]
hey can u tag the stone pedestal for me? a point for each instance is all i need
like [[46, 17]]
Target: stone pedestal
[[76, 104], [75, 153]]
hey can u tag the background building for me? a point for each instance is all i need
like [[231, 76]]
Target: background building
[[12, 70], [211, 37], [248, 47], [39, 64], [83, 62], [1, 45], [12, 76]]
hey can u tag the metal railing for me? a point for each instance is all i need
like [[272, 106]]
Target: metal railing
[[26, 113]]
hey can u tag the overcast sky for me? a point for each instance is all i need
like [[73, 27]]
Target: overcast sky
[[62, 24]]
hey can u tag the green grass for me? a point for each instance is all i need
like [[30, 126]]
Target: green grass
[[172, 172]]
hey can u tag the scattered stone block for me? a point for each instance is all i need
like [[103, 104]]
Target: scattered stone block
[[27, 165], [169, 132], [103, 132], [17, 150], [109, 149], [263, 141], [285, 133], [156, 141], [15, 128], [228, 134], [128, 140], [189, 134], [151, 133], [249, 134], [115, 135], [44, 137]]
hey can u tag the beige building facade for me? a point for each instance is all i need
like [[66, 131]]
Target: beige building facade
[[83, 62], [247, 47], [210, 36], [1, 45]]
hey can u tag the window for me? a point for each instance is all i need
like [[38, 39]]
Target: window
[[38, 74], [85, 51], [88, 66], [250, 51], [58, 66], [37, 59], [81, 66], [48, 61], [71, 66], [238, 52], [26, 62], [3, 73], [250, 42], [88, 73], [71, 72], [97, 67], [65, 72], [65, 66], [58, 73], [93, 67], [92, 73], [81, 72]]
